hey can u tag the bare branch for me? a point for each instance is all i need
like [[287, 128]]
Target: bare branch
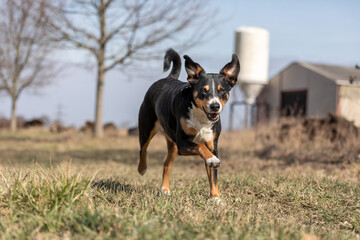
[[118, 32], [24, 47]]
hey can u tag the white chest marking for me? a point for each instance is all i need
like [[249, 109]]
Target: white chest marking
[[201, 124]]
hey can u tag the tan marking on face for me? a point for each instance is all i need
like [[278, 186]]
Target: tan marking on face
[[207, 87], [218, 87], [190, 79], [198, 70], [223, 101], [201, 103], [232, 81], [196, 94], [187, 130]]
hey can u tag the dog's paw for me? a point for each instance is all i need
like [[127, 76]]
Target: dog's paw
[[216, 200], [165, 191], [213, 162], [142, 172]]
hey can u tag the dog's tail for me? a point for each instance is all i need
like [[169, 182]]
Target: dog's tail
[[172, 56]]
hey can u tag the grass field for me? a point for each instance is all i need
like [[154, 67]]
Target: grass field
[[70, 186]]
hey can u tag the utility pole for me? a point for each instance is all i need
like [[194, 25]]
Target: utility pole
[[59, 113]]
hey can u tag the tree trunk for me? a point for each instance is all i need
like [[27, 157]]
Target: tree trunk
[[13, 115], [99, 131]]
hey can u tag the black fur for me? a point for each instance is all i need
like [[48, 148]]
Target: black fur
[[169, 99], [172, 56]]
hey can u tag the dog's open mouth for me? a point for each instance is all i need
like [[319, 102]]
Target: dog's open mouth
[[211, 116]]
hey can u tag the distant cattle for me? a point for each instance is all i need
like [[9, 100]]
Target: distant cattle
[[89, 127], [110, 127], [56, 127], [34, 123], [59, 128], [134, 131]]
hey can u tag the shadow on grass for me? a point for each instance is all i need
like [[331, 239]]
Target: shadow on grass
[[34, 139], [288, 158], [113, 186], [54, 157]]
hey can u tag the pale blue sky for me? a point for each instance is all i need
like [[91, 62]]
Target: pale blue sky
[[314, 31]]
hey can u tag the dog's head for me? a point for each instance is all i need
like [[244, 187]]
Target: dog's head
[[210, 90]]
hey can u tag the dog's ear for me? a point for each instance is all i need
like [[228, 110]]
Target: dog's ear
[[193, 70], [231, 70]]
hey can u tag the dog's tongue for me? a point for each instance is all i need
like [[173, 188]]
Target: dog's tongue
[[213, 115]]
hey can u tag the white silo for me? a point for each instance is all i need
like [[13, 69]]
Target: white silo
[[252, 48]]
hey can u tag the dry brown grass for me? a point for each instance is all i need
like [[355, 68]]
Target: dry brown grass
[[252, 151], [295, 144]]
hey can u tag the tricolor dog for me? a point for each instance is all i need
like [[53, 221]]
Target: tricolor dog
[[187, 113]]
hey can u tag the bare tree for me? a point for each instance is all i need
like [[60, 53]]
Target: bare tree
[[24, 48], [120, 32]]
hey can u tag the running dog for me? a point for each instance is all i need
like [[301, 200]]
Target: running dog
[[188, 113]]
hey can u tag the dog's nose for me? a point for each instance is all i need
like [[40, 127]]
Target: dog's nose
[[215, 107]]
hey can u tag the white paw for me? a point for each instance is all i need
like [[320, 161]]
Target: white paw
[[213, 162], [166, 192], [216, 200]]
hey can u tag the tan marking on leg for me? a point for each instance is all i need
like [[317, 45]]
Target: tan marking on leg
[[172, 153], [142, 163], [188, 130], [210, 145], [204, 152], [214, 190]]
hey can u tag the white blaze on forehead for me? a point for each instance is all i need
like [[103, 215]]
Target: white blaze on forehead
[[213, 86], [214, 99]]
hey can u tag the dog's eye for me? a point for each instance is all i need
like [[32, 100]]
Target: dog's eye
[[204, 91], [221, 90]]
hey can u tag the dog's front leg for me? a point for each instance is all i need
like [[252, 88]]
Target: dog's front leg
[[212, 176], [212, 172], [211, 162], [191, 148]]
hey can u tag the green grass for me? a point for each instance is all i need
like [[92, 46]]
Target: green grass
[[95, 193]]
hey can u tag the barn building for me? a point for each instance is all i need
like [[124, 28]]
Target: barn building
[[311, 90]]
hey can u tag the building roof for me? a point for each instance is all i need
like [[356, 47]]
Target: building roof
[[340, 74]]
